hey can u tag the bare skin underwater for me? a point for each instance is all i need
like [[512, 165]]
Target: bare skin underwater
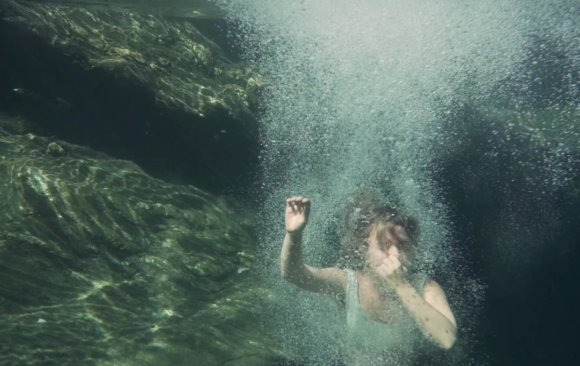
[[385, 292]]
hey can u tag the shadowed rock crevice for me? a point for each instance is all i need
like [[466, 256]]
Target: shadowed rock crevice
[[183, 118]]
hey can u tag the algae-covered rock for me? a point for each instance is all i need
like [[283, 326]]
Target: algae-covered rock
[[169, 56], [101, 264], [146, 87], [175, 8]]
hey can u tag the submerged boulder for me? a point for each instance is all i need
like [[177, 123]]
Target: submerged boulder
[[174, 8], [183, 67], [133, 81], [101, 264]]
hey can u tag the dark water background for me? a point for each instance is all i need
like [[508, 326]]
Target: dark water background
[[527, 316]]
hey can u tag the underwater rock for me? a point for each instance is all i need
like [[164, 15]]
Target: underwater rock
[[170, 57], [136, 85], [55, 150], [173, 8], [101, 264]]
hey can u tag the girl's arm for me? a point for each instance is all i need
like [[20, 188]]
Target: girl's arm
[[431, 312], [330, 281], [322, 280]]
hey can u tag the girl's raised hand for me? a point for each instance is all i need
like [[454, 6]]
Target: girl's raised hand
[[297, 212], [391, 270]]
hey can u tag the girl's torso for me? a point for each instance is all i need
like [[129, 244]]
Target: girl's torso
[[378, 307], [379, 330]]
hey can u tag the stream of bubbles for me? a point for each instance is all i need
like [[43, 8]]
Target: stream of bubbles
[[355, 95]]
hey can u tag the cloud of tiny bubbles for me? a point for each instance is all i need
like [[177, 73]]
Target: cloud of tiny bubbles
[[354, 95]]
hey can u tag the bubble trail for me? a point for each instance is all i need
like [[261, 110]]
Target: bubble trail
[[357, 94]]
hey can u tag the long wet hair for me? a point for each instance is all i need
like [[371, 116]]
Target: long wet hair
[[366, 215]]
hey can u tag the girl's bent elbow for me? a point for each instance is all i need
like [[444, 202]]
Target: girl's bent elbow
[[291, 276], [448, 343]]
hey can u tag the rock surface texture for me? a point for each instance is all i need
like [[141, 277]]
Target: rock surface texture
[[149, 88], [184, 68], [101, 264], [109, 254]]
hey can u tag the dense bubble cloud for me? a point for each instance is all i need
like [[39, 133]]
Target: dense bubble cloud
[[369, 93]]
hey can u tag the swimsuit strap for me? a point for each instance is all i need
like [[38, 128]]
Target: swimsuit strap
[[420, 281], [352, 289]]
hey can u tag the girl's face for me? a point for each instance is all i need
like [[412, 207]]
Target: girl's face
[[388, 245]]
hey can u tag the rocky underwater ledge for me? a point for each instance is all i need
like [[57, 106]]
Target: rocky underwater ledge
[[109, 253], [142, 87], [103, 264]]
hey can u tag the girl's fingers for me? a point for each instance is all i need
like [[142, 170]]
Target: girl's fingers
[[386, 266], [298, 203], [292, 205], [394, 260], [384, 271]]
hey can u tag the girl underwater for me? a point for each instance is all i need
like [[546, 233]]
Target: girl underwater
[[390, 309]]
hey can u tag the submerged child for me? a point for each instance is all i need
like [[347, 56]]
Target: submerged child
[[390, 309]]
